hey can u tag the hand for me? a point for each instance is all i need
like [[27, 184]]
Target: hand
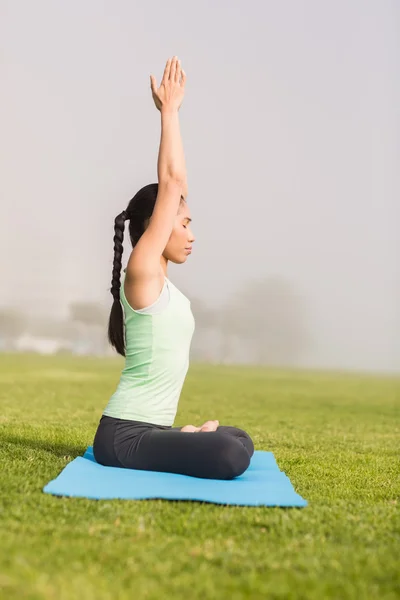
[[171, 91]]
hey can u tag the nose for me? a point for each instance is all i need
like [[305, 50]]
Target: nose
[[191, 236]]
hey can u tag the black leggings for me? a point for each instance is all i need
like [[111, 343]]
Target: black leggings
[[221, 454]]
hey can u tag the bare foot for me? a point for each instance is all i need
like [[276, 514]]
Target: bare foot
[[190, 428], [207, 426], [210, 426]]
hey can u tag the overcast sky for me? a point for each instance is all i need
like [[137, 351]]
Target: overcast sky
[[290, 125]]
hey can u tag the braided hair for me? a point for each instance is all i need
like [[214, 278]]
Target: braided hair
[[138, 212]]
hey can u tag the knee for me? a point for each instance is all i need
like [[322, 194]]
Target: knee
[[232, 459], [247, 441], [241, 435]]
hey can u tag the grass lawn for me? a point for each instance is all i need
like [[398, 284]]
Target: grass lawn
[[335, 435]]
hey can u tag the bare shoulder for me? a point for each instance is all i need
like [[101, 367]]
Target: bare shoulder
[[143, 289]]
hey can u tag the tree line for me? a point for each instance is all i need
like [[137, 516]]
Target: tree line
[[264, 322]]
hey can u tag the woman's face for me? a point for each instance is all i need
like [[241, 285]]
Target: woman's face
[[181, 239]]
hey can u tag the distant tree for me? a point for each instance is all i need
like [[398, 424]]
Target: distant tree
[[88, 313], [92, 319], [13, 323], [269, 320]]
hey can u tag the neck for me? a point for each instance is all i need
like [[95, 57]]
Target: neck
[[164, 265]]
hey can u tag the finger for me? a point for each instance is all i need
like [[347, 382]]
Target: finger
[[166, 71], [173, 69], [153, 83], [183, 80], [178, 71]]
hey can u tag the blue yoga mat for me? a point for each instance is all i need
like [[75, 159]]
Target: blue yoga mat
[[262, 484]]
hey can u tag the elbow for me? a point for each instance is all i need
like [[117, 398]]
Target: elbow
[[176, 178]]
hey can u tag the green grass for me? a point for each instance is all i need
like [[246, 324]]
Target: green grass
[[335, 435]]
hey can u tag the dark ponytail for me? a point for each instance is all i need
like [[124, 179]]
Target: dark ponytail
[[139, 209], [116, 322]]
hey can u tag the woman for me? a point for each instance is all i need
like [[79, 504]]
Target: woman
[[151, 325]]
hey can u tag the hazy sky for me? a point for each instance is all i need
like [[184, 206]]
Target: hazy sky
[[290, 125]]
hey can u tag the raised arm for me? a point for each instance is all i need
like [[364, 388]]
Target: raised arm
[[144, 262]]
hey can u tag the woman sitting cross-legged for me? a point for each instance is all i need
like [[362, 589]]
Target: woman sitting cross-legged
[[151, 325]]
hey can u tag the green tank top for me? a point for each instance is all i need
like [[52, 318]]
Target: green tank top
[[156, 362]]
